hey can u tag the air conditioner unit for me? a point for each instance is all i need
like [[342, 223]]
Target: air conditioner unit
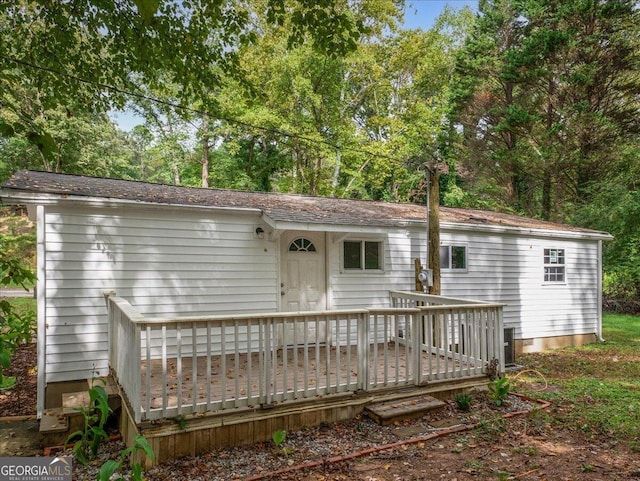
[[509, 346]]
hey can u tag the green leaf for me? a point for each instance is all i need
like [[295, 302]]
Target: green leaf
[[5, 358], [45, 144], [108, 468], [136, 472], [147, 9], [279, 437], [72, 436], [142, 443]]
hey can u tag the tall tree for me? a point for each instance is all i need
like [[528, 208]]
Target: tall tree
[[548, 89], [87, 55]]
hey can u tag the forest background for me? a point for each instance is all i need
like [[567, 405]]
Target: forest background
[[524, 106]]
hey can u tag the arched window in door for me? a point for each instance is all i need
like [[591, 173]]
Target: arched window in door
[[302, 245]]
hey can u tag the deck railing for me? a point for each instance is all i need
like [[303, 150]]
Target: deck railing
[[461, 334], [179, 366]]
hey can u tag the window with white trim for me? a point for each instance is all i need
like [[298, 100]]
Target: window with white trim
[[453, 258], [362, 255], [554, 265]]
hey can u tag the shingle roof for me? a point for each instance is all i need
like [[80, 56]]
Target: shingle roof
[[279, 207]]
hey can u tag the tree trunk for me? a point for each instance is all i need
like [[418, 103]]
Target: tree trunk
[[205, 151], [336, 173], [176, 175], [433, 183]]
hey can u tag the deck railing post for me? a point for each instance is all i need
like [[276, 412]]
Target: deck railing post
[[416, 348], [125, 350], [363, 351], [500, 335]]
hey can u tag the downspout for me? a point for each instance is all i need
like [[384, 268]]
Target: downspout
[[599, 295]]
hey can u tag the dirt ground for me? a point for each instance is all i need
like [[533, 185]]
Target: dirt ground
[[486, 446]]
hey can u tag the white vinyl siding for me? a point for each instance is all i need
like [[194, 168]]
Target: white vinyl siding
[[352, 289], [508, 269], [163, 261]]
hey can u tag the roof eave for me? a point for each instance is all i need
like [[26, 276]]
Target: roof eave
[[337, 228], [495, 229], [19, 197]]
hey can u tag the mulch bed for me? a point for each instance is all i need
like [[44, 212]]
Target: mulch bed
[[20, 400]]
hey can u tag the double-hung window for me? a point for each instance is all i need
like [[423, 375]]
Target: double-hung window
[[362, 255], [453, 257], [554, 265]]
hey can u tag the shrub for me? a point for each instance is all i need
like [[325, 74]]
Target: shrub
[[463, 401], [499, 390]]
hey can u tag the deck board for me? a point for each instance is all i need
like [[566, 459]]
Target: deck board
[[233, 378]]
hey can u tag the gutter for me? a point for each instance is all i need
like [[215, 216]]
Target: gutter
[[495, 229], [21, 197]]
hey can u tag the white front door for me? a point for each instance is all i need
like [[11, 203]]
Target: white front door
[[302, 279]]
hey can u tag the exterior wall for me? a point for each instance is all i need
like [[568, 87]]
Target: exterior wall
[[166, 262], [509, 269], [199, 262], [357, 289]]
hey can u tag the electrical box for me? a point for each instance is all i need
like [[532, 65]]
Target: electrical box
[[509, 346], [426, 277]]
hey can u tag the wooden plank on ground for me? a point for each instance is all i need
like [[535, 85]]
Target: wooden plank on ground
[[388, 412]]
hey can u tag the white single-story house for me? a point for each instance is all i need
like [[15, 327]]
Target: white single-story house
[[180, 251]]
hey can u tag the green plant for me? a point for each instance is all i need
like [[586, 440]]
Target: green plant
[[587, 468], [112, 466], [475, 464], [528, 450], [93, 432], [463, 401], [499, 390], [279, 437], [503, 476], [181, 421], [491, 428], [15, 327]]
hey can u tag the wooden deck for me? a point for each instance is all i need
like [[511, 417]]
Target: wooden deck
[[236, 379], [329, 370]]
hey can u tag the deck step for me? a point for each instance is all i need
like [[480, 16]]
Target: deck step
[[388, 412], [54, 427], [73, 401], [54, 421], [57, 423]]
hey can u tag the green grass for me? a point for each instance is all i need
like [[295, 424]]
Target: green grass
[[23, 305], [595, 388]]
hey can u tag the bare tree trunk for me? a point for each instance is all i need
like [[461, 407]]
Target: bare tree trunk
[[176, 175], [250, 156], [336, 174], [205, 151]]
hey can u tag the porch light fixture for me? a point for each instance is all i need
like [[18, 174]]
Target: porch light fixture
[[260, 232]]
